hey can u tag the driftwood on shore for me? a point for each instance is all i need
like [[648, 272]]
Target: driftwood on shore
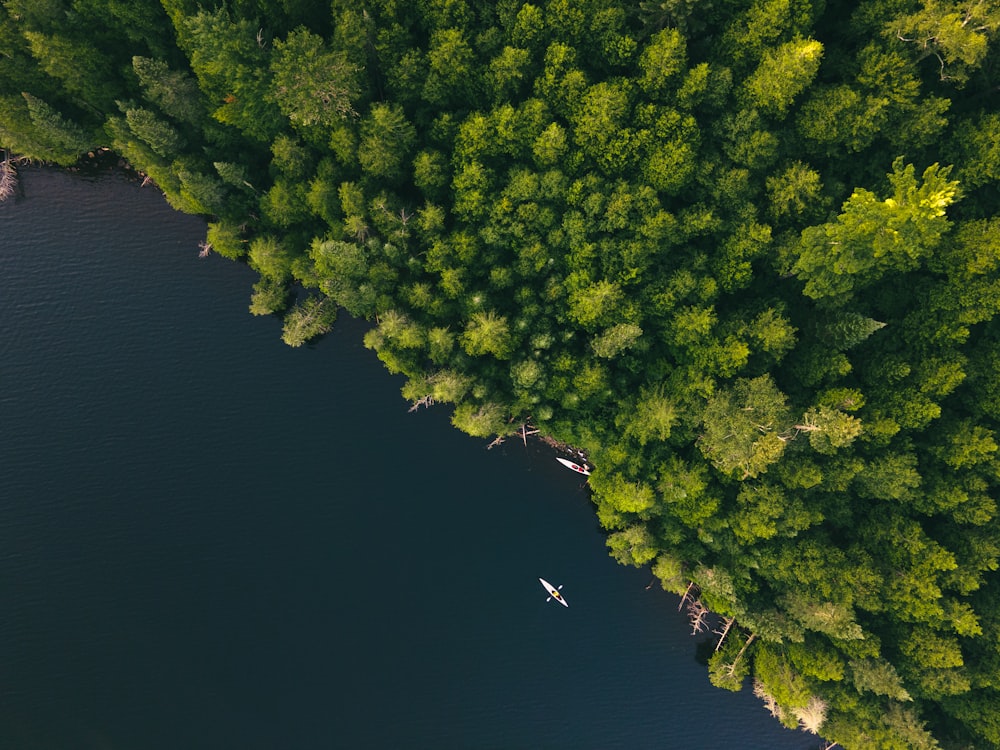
[[425, 401], [8, 177]]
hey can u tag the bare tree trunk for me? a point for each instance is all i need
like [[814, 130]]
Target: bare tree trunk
[[697, 612], [728, 623], [424, 401], [8, 177], [684, 598], [732, 667]]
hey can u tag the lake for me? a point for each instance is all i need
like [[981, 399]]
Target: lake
[[210, 540]]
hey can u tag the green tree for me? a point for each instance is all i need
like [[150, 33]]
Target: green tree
[[226, 239], [387, 140], [600, 126], [878, 676], [780, 680], [159, 135], [269, 297], [763, 24], [662, 62], [488, 333], [964, 445], [37, 130], [232, 68], [838, 116], [529, 26], [956, 34], [596, 304], [843, 330], [978, 142], [670, 158], [313, 317], [550, 145], [829, 429], [233, 174], [622, 495], [175, 93], [742, 427], [508, 73], [871, 237], [615, 340], [82, 68], [562, 83], [729, 666], [483, 420], [286, 203], [452, 76], [314, 86], [773, 333], [346, 274], [783, 74], [634, 546], [794, 192], [270, 258], [43, 15], [765, 511], [651, 417], [891, 476]]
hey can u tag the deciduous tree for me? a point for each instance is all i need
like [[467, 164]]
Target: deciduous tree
[[871, 237]]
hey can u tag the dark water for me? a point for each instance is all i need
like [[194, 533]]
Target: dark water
[[209, 540]]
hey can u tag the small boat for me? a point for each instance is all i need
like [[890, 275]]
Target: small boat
[[553, 592], [585, 470]]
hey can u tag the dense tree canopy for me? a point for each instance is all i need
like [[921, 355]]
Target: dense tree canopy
[[744, 254]]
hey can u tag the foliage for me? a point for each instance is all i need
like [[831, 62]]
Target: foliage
[[307, 320], [743, 254]]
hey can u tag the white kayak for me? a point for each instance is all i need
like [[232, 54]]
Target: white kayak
[[553, 592], [585, 470]]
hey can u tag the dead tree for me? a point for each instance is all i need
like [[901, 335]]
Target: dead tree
[[8, 177], [731, 668], [727, 624], [686, 594], [525, 432], [425, 401], [769, 701], [697, 612]]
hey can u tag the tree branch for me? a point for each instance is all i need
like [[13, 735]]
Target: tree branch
[[684, 598]]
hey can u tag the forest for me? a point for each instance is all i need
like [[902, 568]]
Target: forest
[[744, 254]]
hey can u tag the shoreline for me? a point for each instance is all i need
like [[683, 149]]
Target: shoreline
[[103, 160]]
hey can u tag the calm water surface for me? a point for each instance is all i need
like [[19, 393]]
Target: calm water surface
[[209, 540]]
